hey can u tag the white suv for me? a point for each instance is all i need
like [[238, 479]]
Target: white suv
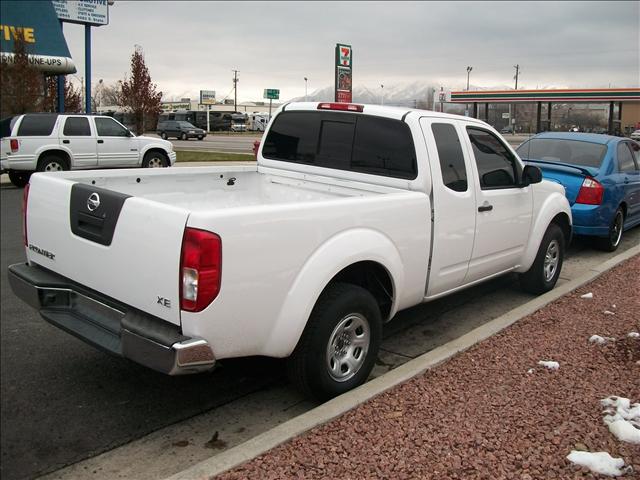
[[51, 141]]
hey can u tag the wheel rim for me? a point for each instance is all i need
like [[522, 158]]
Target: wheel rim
[[156, 162], [348, 346], [53, 167], [616, 229], [551, 260]]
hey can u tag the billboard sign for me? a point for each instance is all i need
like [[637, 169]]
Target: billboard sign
[[343, 73], [207, 97], [36, 22], [86, 12]]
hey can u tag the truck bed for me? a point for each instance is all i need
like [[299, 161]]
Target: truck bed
[[205, 188]]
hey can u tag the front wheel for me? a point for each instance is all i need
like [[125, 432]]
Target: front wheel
[[544, 273], [611, 242], [163, 136], [155, 160], [340, 343], [184, 137], [200, 137], [19, 178]]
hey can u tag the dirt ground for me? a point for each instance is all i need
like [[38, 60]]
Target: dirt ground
[[492, 412]]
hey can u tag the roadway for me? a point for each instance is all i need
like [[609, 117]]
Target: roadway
[[63, 401]]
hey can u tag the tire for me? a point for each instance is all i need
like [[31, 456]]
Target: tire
[[327, 362], [52, 163], [19, 178], [163, 136], [544, 273], [155, 159], [184, 137], [611, 242]]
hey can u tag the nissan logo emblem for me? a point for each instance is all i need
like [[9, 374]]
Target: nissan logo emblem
[[93, 202]]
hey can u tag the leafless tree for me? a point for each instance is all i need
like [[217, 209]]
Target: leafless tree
[[21, 85]]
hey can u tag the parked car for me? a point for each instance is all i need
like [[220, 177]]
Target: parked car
[[601, 176], [352, 213], [45, 142], [635, 135], [506, 129], [179, 129]]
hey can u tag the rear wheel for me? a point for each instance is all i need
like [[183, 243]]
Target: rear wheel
[[52, 163], [544, 273], [611, 242], [340, 343], [19, 178], [155, 160]]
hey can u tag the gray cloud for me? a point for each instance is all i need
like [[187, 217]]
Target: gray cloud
[[194, 45]]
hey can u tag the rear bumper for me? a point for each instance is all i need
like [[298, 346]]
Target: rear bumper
[[109, 325]]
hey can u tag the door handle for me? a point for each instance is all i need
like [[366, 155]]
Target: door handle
[[485, 208], [66, 141], [100, 141]]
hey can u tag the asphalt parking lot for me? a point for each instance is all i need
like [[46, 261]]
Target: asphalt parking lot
[[63, 401]]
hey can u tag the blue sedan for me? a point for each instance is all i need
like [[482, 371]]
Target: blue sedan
[[601, 177]]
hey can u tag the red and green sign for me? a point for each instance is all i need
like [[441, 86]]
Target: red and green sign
[[343, 73]]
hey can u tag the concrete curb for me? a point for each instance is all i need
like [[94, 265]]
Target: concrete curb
[[336, 407]]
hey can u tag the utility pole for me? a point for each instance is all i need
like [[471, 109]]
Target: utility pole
[[467, 106], [513, 122], [381, 94], [305, 88], [235, 90]]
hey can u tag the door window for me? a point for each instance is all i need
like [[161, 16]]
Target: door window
[[77, 127], [110, 128], [626, 162], [454, 174], [497, 167]]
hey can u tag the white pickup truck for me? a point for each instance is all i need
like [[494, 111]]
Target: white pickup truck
[[351, 214], [45, 142]]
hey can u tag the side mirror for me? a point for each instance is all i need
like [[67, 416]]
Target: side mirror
[[531, 174]]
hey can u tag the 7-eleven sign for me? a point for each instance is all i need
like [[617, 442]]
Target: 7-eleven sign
[[344, 52]]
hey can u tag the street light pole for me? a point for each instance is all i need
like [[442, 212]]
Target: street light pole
[[382, 94], [305, 88], [468, 73]]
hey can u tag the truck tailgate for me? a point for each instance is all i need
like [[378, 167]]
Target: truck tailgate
[[127, 247]]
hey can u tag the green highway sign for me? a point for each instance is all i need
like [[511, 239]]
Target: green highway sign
[[272, 93]]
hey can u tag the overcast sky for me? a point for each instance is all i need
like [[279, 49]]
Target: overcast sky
[[191, 46]]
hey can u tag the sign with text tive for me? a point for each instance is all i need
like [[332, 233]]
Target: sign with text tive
[[87, 12], [271, 94]]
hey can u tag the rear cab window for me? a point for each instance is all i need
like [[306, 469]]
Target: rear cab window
[[343, 141], [38, 125]]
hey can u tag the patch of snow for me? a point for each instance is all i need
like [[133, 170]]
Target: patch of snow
[[587, 295], [598, 462], [550, 365], [623, 418], [607, 312], [531, 370], [633, 335], [613, 306], [600, 340]]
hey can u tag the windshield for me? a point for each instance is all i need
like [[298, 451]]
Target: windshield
[[185, 125], [571, 152]]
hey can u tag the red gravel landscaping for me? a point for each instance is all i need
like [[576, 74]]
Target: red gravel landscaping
[[481, 415]]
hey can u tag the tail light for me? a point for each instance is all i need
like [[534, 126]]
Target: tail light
[[348, 107], [591, 192], [200, 268], [14, 145], [25, 201]]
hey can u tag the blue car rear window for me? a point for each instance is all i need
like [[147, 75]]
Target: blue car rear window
[[571, 152]]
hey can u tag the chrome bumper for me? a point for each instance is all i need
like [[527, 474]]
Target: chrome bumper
[[109, 325]]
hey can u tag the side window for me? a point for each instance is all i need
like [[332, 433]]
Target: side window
[[77, 127], [626, 162], [454, 174], [635, 151], [497, 167], [38, 125], [110, 128]]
